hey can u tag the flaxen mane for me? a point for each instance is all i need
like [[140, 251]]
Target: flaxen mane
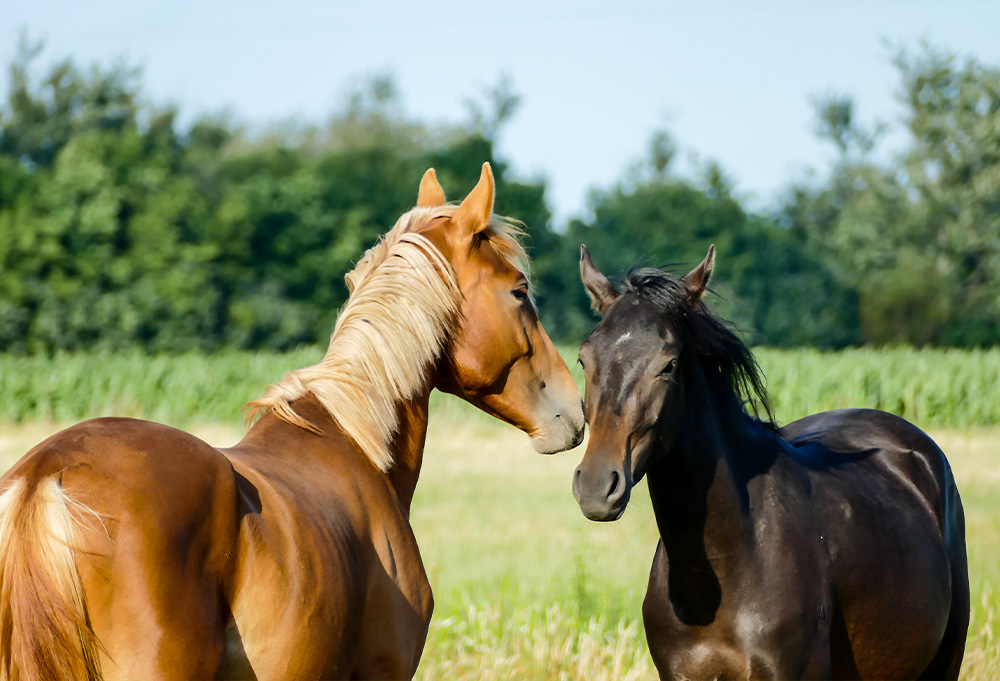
[[405, 302]]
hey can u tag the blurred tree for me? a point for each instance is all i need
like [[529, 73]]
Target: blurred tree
[[919, 239], [39, 120], [502, 102], [952, 176], [117, 230], [774, 290]]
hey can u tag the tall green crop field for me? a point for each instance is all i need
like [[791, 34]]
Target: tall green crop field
[[932, 387]]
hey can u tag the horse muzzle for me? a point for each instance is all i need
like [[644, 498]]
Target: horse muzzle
[[603, 492], [562, 430]]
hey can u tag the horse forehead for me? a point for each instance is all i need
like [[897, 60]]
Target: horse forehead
[[630, 330], [624, 354], [482, 261], [628, 345], [485, 263]]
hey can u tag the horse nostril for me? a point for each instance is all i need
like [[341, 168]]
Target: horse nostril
[[614, 484], [543, 385]]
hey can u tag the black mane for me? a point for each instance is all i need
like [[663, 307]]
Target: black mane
[[728, 364]]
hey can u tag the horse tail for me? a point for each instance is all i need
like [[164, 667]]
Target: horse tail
[[45, 630]]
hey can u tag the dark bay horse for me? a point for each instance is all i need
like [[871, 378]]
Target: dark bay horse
[[832, 548], [131, 550]]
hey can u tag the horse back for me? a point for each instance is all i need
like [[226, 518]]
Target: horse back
[[846, 446]]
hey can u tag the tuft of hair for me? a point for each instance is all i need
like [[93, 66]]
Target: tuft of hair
[[404, 304], [45, 630], [728, 363]]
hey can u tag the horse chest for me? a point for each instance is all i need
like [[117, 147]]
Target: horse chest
[[737, 625], [709, 661], [734, 649], [742, 649]]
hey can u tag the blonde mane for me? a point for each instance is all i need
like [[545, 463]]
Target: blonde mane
[[404, 304]]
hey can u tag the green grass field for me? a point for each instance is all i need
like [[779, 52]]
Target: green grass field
[[525, 587]]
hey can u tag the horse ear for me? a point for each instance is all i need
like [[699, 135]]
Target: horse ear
[[475, 211], [696, 281], [430, 195], [600, 290]]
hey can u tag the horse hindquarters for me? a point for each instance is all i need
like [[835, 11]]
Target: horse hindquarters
[[894, 521], [154, 526], [948, 661]]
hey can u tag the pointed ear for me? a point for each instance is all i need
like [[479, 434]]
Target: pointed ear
[[475, 211], [600, 290], [696, 281], [430, 195]]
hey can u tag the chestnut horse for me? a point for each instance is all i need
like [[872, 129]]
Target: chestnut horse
[[131, 550], [832, 548]]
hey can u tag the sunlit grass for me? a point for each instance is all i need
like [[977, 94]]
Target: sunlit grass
[[526, 588], [555, 642], [932, 387], [509, 552]]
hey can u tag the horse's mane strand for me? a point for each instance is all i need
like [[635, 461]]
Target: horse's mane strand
[[404, 304], [729, 365]]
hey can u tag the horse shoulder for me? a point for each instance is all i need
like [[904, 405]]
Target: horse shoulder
[[771, 622], [335, 550], [772, 615]]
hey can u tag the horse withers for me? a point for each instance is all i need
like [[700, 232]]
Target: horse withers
[[832, 548], [132, 550]]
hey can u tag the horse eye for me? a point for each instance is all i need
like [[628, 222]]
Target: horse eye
[[520, 293], [669, 369]]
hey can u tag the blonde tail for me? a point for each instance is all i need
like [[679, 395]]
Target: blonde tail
[[45, 631]]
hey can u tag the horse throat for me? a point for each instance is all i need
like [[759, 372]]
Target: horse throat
[[700, 500], [682, 518]]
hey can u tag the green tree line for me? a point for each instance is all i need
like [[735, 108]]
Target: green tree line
[[121, 229]]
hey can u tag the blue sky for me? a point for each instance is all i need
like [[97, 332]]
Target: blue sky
[[733, 81]]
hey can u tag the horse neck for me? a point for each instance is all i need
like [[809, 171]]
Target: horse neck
[[408, 448], [699, 488]]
